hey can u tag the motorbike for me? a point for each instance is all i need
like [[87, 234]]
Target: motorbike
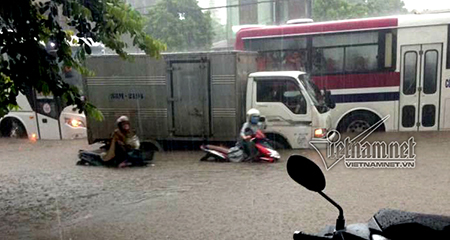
[[135, 157], [93, 158], [386, 224], [266, 153]]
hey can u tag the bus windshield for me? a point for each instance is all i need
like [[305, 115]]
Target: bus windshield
[[314, 93]]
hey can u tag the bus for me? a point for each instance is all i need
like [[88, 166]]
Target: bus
[[395, 66], [47, 117]]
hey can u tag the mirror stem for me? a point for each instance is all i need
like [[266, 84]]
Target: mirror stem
[[340, 222]]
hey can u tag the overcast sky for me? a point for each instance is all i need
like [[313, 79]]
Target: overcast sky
[[427, 4]]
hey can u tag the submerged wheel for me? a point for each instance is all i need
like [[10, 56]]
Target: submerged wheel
[[359, 122], [277, 142], [12, 128], [358, 126]]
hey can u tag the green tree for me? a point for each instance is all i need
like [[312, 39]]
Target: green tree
[[219, 30], [25, 27], [181, 24], [324, 10], [377, 8]]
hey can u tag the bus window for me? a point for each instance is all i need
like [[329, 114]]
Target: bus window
[[410, 73], [328, 60], [47, 105], [274, 44], [291, 60], [349, 39], [359, 52], [430, 72], [277, 54], [361, 58], [388, 50]]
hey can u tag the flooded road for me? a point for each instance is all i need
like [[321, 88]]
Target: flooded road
[[43, 195]]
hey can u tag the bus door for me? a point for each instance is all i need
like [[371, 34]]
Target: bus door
[[419, 88], [48, 112]]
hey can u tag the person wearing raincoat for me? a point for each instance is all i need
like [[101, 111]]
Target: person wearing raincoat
[[124, 148]]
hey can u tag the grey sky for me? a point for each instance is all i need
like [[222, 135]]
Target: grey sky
[[428, 4]]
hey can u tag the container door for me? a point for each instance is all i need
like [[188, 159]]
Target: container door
[[419, 88], [190, 98]]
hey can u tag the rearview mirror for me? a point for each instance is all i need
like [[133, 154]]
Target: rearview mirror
[[262, 122], [306, 173]]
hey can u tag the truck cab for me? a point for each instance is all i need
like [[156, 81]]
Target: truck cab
[[294, 109]]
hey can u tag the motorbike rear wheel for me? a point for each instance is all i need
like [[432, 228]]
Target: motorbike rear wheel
[[212, 157]]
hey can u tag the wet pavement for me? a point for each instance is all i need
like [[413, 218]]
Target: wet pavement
[[43, 195]]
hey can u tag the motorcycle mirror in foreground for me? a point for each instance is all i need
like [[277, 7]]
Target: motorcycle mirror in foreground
[[306, 173]]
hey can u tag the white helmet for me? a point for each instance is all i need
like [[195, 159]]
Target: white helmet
[[121, 120], [252, 113]]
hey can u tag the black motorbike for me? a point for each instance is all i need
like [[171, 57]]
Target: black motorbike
[[387, 224], [134, 158]]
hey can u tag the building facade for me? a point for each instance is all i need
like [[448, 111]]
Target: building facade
[[264, 12], [275, 12]]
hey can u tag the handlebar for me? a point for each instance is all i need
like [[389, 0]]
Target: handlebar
[[304, 236]]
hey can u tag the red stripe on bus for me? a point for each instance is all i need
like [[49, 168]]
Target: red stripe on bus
[[390, 79], [318, 28]]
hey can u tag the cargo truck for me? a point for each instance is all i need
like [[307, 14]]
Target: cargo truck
[[203, 96]]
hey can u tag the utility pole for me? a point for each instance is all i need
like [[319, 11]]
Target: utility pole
[[309, 8]]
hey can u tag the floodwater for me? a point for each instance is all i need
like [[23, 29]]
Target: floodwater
[[44, 195]]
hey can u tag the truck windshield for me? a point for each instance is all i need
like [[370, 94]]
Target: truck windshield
[[314, 93]]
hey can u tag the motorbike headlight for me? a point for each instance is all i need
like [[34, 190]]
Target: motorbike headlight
[[74, 122], [378, 237]]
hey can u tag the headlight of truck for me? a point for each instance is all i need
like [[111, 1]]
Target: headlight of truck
[[320, 132], [74, 122]]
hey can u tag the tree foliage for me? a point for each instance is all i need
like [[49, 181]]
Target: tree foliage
[[324, 10], [181, 24], [26, 26], [220, 32]]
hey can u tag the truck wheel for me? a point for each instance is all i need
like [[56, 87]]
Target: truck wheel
[[277, 142], [277, 145], [12, 128], [359, 122]]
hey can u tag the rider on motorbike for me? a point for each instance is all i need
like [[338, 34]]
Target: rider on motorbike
[[124, 145], [248, 131]]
